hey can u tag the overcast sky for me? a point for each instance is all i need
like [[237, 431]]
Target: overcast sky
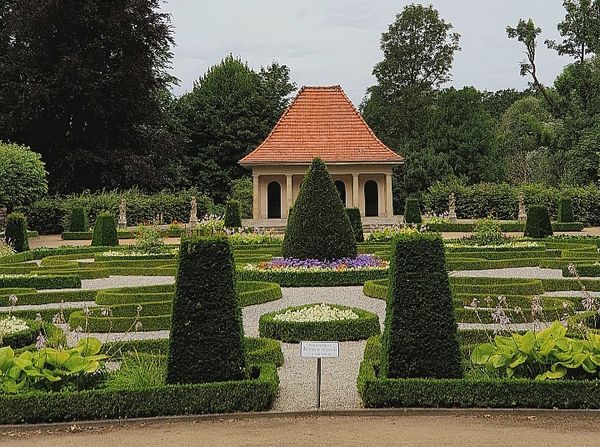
[[327, 42]]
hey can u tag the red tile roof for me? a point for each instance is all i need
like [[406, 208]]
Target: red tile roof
[[321, 122]]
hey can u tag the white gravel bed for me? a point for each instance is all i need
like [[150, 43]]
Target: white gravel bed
[[521, 272], [57, 306]]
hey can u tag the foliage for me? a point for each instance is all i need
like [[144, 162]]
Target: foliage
[[79, 219], [356, 223], [207, 334], [5, 249], [22, 174], [139, 371], [233, 214], [242, 191], [102, 126], [412, 211], [48, 368], [105, 231], [545, 355], [538, 222], [15, 234], [565, 210], [149, 240], [419, 312], [318, 227], [488, 232]]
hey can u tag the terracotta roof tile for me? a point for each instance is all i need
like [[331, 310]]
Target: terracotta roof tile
[[321, 122]]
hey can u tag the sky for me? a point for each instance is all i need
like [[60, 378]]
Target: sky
[[329, 42]]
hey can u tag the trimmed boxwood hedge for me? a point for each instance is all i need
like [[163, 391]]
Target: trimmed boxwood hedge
[[79, 220], [207, 333], [565, 210], [31, 296], [356, 223], [15, 233], [341, 330], [217, 397], [313, 278], [538, 223], [42, 282], [412, 211], [105, 231], [377, 392], [233, 214]]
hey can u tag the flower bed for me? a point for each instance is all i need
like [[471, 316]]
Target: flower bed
[[319, 322]]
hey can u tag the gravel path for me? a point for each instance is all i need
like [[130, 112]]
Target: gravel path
[[125, 281], [521, 272], [66, 305]]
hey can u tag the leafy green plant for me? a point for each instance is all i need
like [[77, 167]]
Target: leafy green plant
[[565, 210], [488, 232], [16, 232], [48, 368], [412, 211], [139, 371], [105, 231], [149, 240], [22, 175], [79, 219], [356, 222], [545, 355]]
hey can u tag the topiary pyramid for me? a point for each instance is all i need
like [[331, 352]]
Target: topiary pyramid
[[78, 220], [356, 222], [15, 234], [565, 210], [105, 231], [207, 337], [538, 223], [233, 214], [318, 227], [420, 335], [412, 212]]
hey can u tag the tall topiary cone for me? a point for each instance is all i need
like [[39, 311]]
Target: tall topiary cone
[[318, 226], [565, 210], [412, 212], [538, 223], [233, 214], [207, 338], [79, 220], [15, 234], [105, 231], [420, 335]]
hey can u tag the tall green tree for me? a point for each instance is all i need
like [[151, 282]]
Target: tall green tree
[[418, 52], [230, 110], [580, 29], [79, 82]]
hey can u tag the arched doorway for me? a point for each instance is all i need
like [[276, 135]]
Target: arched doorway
[[274, 200], [371, 199], [341, 187]]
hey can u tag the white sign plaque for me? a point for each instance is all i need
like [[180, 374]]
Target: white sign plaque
[[319, 349]]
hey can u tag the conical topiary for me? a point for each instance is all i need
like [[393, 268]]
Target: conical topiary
[[412, 212], [538, 223], [15, 234], [565, 210], [105, 231], [318, 227], [233, 214], [207, 336], [78, 220], [356, 222]]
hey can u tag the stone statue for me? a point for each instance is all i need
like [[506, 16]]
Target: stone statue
[[522, 217], [193, 213], [123, 214], [452, 208]]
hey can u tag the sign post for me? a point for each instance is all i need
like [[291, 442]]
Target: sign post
[[319, 350]]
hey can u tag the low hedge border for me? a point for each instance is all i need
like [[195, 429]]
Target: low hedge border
[[42, 282], [583, 270], [258, 292], [377, 392], [500, 254], [102, 324], [26, 337], [483, 264], [141, 271], [507, 227], [40, 253], [87, 235], [168, 400], [341, 330], [312, 278], [30, 297]]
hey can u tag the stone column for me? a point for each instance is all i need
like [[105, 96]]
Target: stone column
[[355, 200], [289, 193], [255, 197], [389, 196]]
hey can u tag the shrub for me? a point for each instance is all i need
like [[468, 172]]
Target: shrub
[[318, 227], [538, 223], [149, 240], [233, 216], [420, 331], [242, 191], [565, 210], [47, 215], [207, 343], [79, 220], [412, 212], [22, 176], [105, 231], [16, 232], [356, 222], [488, 232]]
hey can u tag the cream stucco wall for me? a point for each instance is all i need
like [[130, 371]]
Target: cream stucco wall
[[354, 177]]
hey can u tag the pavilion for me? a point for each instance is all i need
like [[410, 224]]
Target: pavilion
[[322, 122]]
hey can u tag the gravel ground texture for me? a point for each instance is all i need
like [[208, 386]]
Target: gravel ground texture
[[125, 281], [521, 272]]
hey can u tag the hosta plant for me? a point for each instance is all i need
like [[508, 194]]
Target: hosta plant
[[50, 369], [545, 355]]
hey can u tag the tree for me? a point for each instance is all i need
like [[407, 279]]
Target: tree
[[80, 82], [580, 29], [22, 176], [460, 127], [527, 33], [230, 110], [496, 103]]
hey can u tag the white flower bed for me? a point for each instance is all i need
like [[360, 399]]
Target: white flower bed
[[522, 244], [110, 254], [11, 325], [317, 313]]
